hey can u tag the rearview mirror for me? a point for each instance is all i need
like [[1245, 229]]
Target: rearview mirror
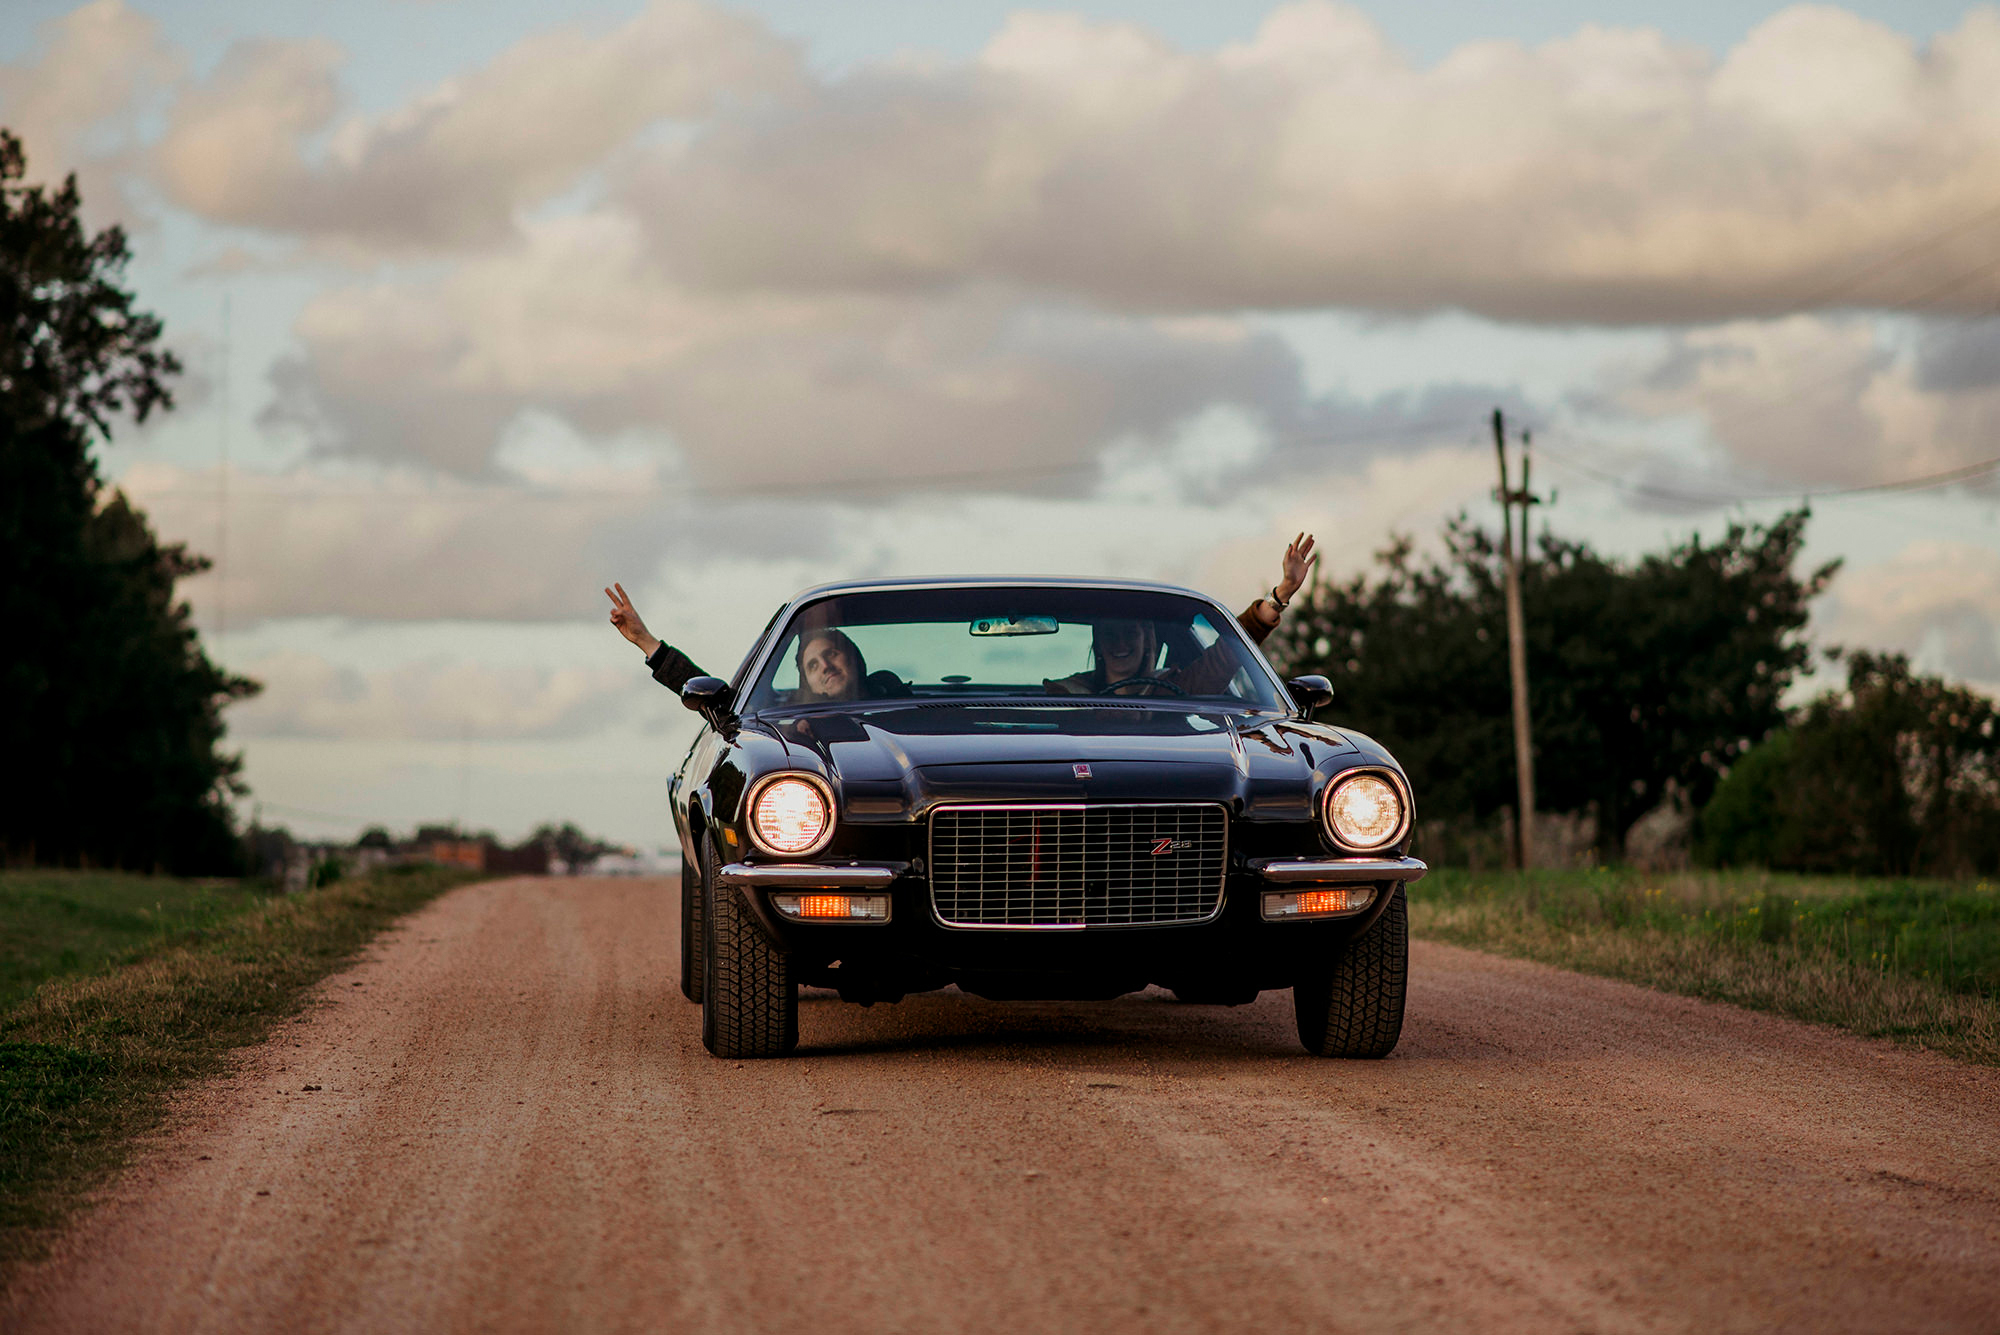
[[1015, 626], [1310, 692]]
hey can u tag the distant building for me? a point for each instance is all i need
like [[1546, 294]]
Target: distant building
[[527, 860], [468, 853]]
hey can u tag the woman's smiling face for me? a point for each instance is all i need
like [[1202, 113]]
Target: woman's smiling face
[[1125, 648]]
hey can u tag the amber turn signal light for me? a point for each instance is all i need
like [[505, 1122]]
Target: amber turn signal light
[[833, 908], [1330, 902]]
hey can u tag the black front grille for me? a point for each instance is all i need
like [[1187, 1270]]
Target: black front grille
[[1077, 864]]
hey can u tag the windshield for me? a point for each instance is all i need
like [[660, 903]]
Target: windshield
[[1030, 642]]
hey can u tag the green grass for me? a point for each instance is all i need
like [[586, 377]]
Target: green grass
[[1913, 960], [87, 1059], [60, 924]]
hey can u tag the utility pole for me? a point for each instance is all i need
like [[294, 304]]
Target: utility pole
[[1517, 641], [222, 490]]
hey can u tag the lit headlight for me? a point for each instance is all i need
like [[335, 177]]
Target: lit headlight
[[791, 816], [1364, 811]]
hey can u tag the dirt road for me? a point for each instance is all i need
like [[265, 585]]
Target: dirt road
[[504, 1120]]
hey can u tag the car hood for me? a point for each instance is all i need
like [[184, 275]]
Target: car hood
[[895, 761]]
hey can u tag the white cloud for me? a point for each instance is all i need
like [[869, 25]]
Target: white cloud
[[750, 388], [454, 165], [1827, 402], [435, 699], [403, 545], [1938, 601], [76, 104], [1608, 177]]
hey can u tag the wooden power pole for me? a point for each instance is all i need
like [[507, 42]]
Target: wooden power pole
[[1517, 643]]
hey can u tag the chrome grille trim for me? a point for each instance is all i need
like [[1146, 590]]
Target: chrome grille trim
[[1067, 866]]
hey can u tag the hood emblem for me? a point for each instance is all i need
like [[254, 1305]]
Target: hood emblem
[[1082, 771]]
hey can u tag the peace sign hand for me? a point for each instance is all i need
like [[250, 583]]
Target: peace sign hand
[[626, 618]]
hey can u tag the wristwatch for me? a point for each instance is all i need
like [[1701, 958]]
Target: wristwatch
[[1280, 603]]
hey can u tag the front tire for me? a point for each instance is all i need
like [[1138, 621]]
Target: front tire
[[750, 1004], [1353, 1005], [692, 949]]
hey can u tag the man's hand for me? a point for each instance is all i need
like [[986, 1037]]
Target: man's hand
[[626, 618], [1299, 559]]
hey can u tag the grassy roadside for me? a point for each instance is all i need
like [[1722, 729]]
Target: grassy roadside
[[86, 1062], [1917, 961], [58, 924]]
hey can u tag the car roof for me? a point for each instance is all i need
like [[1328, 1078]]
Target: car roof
[[990, 581]]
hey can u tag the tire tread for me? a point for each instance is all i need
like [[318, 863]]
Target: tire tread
[[693, 948], [1354, 1007], [750, 1003]]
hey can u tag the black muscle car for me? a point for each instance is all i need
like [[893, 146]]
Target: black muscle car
[[1033, 789]]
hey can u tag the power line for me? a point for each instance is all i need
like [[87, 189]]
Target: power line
[[222, 487], [1843, 286], [1923, 482]]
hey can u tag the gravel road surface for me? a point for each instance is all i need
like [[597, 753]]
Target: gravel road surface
[[504, 1120]]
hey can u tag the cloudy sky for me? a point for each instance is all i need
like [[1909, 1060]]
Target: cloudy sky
[[485, 305]]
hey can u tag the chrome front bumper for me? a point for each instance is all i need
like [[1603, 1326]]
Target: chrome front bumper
[[1337, 871], [810, 876]]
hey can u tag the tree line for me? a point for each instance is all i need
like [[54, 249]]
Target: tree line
[[1660, 681], [110, 710]]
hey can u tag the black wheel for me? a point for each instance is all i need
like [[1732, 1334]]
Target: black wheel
[[749, 1004], [1353, 1005], [691, 946]]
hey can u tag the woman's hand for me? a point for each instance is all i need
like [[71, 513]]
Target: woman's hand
[[1299, 559], [626, 618]]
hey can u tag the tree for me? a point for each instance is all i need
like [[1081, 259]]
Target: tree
[[1646, 679], [570, 845], [1899, 774], [110, 707]]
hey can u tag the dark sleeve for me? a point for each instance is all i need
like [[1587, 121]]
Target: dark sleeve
[[1255, 629], [1217, 667], [672, 668]]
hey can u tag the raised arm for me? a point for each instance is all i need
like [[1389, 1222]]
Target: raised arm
[[671, 668], [1262, 617]]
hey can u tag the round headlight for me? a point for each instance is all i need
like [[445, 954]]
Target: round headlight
[[1365, 811], [791, 816]]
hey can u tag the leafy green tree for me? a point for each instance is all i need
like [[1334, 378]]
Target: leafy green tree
[[108, 705], [1646, 679], [1898, 774]]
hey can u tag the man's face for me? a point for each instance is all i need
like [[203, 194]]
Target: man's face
[[829, 670]]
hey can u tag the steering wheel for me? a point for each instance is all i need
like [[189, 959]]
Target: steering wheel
[[1144, 681]]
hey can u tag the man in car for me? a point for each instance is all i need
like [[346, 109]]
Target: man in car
[[831, 668], [830, 664]]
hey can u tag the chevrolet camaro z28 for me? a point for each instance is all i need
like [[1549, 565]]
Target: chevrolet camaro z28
[[1051, 789]]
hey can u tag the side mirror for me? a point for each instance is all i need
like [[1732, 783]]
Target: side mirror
[[1308, 693], [709, 695]]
